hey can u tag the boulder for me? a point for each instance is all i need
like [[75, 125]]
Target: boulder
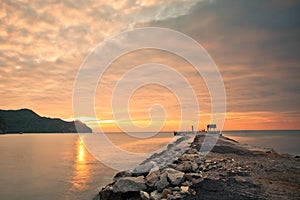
[[154, 169], [152, 178], [162, 183], [129, 184], [107, 194], [122, 174], [174, 176], [143, 169]]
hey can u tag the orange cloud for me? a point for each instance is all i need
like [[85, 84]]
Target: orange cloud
[[43, 44]]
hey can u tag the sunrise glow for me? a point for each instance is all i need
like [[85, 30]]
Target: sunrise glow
[[39, 61]]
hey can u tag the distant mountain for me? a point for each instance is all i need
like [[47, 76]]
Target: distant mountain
[[27, 121]]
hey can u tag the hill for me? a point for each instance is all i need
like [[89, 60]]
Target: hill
[[27, 121]]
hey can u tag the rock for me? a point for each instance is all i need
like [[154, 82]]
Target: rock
[[177, 195], [165, 193], [107, 194], [195, 181], [143, 169], [199, 161], [201, 166], [162, 183], [185, 166], [192, 151], [184, 188], [152, 178], [129, 184], [175, 177], [194, 167], [173, 166], [144, 195], [155, 195], [192, 191], [122, 174], [154, 169], [189, 157]]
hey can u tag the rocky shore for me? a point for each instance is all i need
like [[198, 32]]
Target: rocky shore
[[229, 171]]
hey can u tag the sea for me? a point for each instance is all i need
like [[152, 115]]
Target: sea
[[59, 166], [282, 141]]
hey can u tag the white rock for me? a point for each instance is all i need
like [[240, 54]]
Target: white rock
[[184, 188], [144, 195]]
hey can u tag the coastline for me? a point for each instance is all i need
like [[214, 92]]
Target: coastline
[[230, 170]]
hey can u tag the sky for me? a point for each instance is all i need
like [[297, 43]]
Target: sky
[[255, 45]]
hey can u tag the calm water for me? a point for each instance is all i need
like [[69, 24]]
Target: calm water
[[282, 141], [50, 166], [57, 166]]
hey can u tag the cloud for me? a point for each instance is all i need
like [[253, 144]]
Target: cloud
[[254, 43], [43, 43]]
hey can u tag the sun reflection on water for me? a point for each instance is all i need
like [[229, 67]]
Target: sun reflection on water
[[80, 152], [81, 169]]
